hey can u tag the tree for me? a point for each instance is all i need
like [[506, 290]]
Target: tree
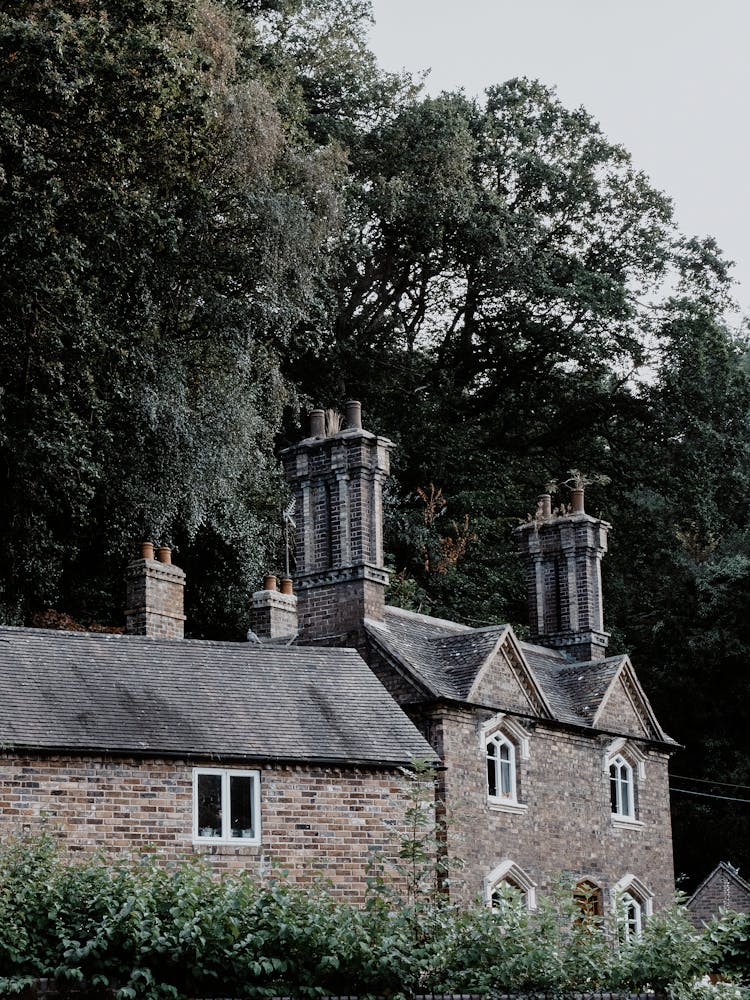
[[161, 239]]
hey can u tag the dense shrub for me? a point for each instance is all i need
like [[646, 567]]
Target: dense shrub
[[151, 931]]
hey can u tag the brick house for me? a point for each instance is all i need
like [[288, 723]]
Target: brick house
[[723, 889], [249, 755], [288, 749], [553, 760]]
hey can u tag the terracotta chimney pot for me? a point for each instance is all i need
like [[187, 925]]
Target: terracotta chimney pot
[[269, 582], [164, 554], [576, 499], [147, 550], [286, 585]]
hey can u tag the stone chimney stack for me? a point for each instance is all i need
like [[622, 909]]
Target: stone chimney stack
[[273, 613], [155, 595], [562, 556], [337, 476]]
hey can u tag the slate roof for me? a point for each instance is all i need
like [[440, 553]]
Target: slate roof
[[445, 658], [574, 690], [133, 694]]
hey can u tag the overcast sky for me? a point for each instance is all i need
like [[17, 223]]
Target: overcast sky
[[669, 79]]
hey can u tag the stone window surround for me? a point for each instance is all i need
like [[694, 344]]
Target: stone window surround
[[516, 737], [635, 760], [226, 838], [508, 871], [633, 902]]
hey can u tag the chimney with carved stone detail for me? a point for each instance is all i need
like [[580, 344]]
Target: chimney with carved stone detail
[[155, 595], [337, 477], [562, 556]]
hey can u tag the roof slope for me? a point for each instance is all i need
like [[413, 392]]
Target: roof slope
[[445, 660], [85, 691], [443, 657]]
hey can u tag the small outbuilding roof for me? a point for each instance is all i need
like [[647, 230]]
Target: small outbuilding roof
[[89, 692]]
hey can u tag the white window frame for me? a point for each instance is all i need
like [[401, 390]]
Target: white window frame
[[631, 896], [624, 787], [630, 917], [509, 872], [502, 731], [623, 754], [226, 831]]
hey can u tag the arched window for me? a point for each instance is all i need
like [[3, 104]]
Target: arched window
[[503, 744], [501, 768], [588, 898], [633, 903], [625, 770], [505, 883], [621, 789], [631, 917]]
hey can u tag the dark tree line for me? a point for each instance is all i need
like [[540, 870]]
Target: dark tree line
[[214, 213]]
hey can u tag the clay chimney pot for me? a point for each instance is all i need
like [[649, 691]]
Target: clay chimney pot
[[164, 554], [147, 550], [286, 585], [269, 582], [576, 499]]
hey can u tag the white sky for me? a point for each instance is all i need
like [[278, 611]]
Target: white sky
[[669, 79]]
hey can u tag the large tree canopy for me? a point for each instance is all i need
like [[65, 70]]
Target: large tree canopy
[[213, 211], [161, 240]]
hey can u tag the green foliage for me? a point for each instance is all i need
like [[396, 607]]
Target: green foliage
[[729, 938], [162, 227], [151, 931]]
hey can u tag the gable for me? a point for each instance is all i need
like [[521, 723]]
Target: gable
[[505, 681], [622, 709], [723, 889]]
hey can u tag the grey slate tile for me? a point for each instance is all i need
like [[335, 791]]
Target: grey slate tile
[[79, 690]]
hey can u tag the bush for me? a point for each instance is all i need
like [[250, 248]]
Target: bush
[[155, 931]]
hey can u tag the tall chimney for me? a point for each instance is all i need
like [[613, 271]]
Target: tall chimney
[[340, 576], [155, 595], [562, 556]]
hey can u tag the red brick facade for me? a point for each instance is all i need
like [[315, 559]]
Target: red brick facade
[[315, 822]]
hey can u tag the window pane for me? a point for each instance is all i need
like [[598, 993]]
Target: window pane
[[506, 781], [624, 793], [209, 805], [613, 788], [491, 772], [241, 806]]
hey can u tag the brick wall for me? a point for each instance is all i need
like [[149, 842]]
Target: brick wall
[[339, 576], [562, 557], [719, 891], [155, 599], [565, 787], [315, 821]]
